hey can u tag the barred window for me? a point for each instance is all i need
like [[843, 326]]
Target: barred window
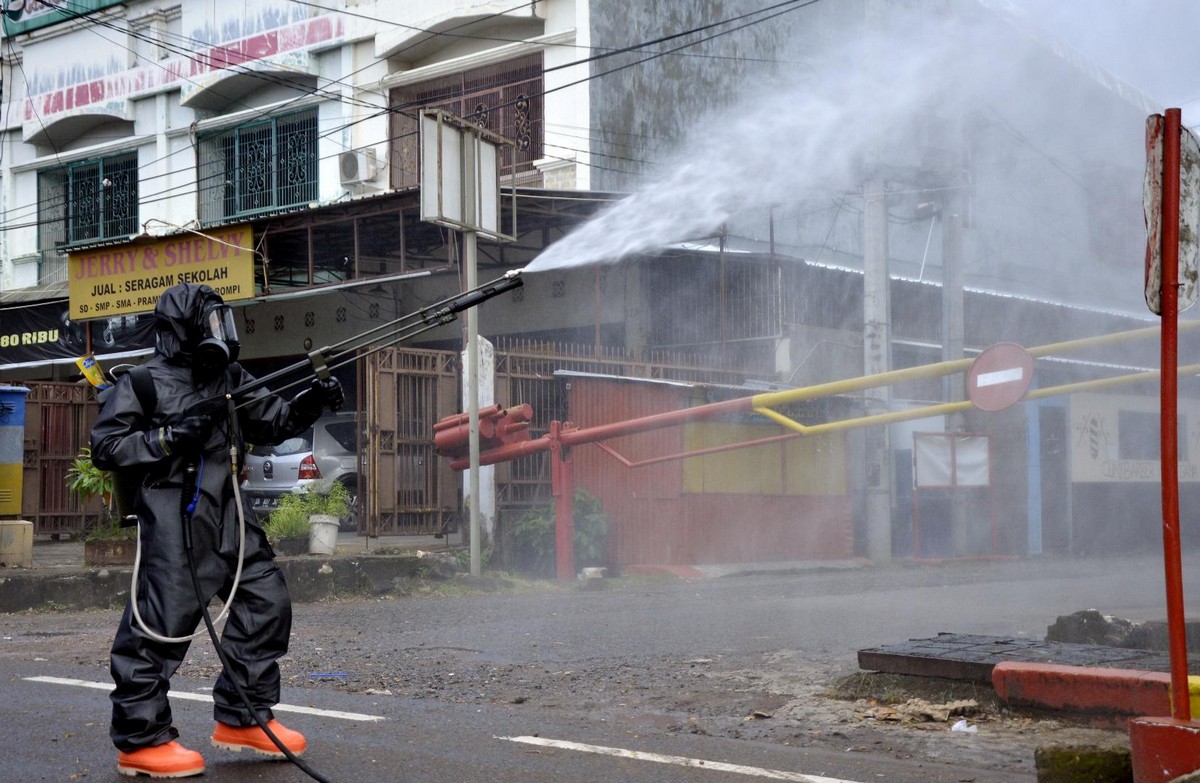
[[87, 201], [259, 167], [712, 300], [505, 98]]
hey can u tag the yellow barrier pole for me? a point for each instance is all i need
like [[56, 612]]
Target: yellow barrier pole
[[774, 399]]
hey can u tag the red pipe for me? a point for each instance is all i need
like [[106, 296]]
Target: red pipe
[[460, 419], [1172, 561], [508, 451], [570, 435], [577, 437]]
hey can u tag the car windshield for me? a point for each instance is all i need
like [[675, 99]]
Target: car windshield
[[296, 445]]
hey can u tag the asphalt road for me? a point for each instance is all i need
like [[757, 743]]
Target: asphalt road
[[643, 680]]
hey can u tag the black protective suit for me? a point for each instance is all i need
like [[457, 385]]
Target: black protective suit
[[127, 437]]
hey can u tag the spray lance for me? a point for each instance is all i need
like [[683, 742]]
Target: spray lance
[[318, 364]]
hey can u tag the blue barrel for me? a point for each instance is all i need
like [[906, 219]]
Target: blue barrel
[[12, 448]]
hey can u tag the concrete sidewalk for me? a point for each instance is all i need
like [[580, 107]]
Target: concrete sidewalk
[[59, 578]]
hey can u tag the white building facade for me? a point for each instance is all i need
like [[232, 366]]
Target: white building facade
[[134, 118]]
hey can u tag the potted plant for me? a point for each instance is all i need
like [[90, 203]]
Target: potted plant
[[308, 520], [287, 527], [106, 543], [325, 511]]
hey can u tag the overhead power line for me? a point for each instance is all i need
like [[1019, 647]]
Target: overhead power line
[[275, 110]]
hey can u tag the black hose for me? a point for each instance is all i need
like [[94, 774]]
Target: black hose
[[188, 507]]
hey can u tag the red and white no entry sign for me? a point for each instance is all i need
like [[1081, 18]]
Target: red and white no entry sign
[[999, 377]]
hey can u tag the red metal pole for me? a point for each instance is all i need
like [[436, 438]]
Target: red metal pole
[[562, 484], [1172, 560]]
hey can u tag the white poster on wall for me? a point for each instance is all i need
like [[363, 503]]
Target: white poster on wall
[[951, 459], [1116, 438]]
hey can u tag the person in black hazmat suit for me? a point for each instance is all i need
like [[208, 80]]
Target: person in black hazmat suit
[[195, 352]]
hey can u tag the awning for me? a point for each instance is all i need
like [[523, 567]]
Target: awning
[[34, 293]]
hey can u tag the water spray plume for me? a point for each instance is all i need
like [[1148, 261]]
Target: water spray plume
[[803, 134]]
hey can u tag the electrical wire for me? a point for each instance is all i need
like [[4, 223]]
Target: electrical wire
[[187, 50], [788, 6]]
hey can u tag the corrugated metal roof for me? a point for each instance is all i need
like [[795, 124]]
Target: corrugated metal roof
[[41, 293]]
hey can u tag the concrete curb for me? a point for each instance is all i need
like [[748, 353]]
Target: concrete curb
[[1083, 690], [719, 570], [309, 579], [1162, 750]]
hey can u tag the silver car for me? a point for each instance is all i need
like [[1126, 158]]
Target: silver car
[[326, 453]]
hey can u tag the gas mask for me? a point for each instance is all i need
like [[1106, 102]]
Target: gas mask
[[218, 346]]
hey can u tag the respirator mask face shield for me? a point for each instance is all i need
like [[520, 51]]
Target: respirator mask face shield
[[219, 346]]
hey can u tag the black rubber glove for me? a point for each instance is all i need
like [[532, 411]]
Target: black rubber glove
[[319, 395], [331, 388], [188, 435]]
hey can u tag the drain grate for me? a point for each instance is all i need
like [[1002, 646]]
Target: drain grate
[[971, 657]]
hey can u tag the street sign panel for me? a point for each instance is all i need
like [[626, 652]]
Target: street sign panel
[[999, 377], [460, 176], [1189, 214]]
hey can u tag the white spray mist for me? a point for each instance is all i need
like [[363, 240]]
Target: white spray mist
[[805, 134]]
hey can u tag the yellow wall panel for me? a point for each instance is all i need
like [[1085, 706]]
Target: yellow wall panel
[[802, 466], [815, 466]]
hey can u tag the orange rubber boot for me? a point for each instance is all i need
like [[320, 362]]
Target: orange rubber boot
[[171, 760], [252, 737]]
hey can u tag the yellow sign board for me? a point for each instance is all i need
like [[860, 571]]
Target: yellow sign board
[[130, 278]]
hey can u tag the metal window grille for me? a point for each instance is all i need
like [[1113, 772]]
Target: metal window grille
[[504, 98], [714, 301], [88, 200], [52, 268], [258, 167], [814, 296]]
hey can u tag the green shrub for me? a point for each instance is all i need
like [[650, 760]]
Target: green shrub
[[533, 536], [87, 481], [334, 501], [289, 519]]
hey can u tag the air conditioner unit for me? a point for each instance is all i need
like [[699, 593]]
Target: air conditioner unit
[[358, 166]]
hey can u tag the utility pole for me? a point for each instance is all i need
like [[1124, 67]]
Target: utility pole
[[877, 346], [953, 325], [877, 331]]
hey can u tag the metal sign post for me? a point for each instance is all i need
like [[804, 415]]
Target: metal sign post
[[1163, 135], [460, 189], [1167, 748]]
